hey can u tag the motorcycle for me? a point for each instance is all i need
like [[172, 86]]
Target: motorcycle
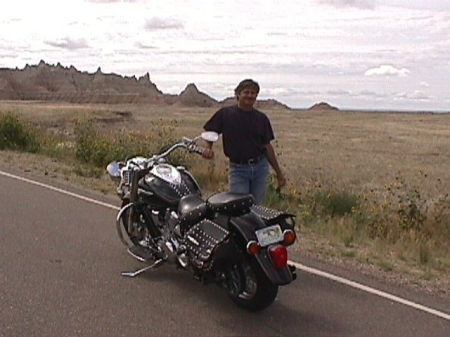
[[223, 239]]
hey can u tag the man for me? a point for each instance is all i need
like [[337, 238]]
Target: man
[[246, 135]]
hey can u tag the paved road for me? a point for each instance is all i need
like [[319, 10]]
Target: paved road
[[60, 264]]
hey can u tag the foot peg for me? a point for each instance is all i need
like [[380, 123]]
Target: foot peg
[[142, 254]]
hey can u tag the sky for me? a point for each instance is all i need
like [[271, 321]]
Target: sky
[[352, 54]]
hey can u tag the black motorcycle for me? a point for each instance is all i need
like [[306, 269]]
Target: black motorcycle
[[223, 239]]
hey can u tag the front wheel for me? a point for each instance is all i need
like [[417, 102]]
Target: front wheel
[[130, 226], [249, 287]]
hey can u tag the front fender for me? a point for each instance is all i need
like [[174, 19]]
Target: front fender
[[246, 226]]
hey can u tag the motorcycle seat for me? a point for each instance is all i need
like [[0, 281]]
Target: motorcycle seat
[[229, 203], [191, 210]]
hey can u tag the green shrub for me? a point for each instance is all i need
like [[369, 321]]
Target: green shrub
[[15, 134], [99, 148], [340, 203], [401, 209], [425, 253], [86, 137]]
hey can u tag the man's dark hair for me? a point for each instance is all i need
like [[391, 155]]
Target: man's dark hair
[[248, 83]]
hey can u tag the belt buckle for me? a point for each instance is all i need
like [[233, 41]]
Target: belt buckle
[[252, 161]]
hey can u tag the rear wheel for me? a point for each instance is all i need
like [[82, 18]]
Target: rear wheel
[[249, 287]]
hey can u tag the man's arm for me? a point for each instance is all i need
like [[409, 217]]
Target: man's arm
[[274, 163], [213, 124]]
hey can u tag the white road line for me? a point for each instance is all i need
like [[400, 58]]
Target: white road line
[[371, 290], [310, 270], [78, 196]]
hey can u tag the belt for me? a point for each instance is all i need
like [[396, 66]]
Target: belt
[[251, 161]]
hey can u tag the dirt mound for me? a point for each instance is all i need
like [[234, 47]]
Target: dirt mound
[[44, 82], [322, 106]]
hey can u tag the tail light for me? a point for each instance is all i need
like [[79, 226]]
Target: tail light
[[289, 237], [279, 256], [253, 248]]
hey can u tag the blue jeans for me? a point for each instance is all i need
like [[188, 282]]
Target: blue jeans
[[250, 179]]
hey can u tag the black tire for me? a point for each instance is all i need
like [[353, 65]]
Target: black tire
[[252, 297]]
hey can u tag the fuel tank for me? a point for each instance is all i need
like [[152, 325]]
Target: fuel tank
[[165, 185]]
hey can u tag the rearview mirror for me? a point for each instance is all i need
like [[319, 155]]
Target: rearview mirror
[[210, 136]]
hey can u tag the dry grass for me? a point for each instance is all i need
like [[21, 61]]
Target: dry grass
[[354, 149], [357, 152], [361, 149]]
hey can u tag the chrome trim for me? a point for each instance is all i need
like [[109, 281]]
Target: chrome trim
[[287, 231], [250, 243], [118, 220]]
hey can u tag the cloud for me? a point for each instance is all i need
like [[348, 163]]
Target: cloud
[[142, 45], [363, 4], [417, 95], [158, 24], [278, 91], [69, 43], [368, 93], [4, 53], [111, 1], [339, 92], [388, 70]]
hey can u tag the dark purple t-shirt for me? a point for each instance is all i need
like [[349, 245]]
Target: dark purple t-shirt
[[244, 133]]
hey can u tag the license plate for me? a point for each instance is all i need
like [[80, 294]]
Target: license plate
[[269, 235]]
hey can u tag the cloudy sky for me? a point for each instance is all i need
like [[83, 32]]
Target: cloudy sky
[[358, 54]]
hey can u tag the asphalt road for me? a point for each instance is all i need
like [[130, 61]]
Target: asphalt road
[[60, 264]]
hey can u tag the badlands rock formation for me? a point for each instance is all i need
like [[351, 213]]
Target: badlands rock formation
[[45, 82]]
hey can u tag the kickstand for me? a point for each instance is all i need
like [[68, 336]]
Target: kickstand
[[140, 271]]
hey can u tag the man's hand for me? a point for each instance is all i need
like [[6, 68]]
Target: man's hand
[[208, 153], [281, 180]]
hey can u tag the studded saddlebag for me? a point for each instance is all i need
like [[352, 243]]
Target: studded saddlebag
[[204, 240]]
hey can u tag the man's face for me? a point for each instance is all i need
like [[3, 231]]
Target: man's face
[[247, 97]]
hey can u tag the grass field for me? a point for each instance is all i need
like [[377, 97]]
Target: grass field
[[368, 188]]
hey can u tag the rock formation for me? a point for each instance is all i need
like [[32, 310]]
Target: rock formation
[[322, 106], [44, 82]]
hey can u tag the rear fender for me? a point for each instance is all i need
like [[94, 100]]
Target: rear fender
[[246, 226]]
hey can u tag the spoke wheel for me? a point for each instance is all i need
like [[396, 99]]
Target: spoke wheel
[[249, 287], [129, 234]]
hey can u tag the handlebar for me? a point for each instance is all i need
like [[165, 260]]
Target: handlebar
[[133, 169], [198, 150], [167, 152], [187, 143]]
